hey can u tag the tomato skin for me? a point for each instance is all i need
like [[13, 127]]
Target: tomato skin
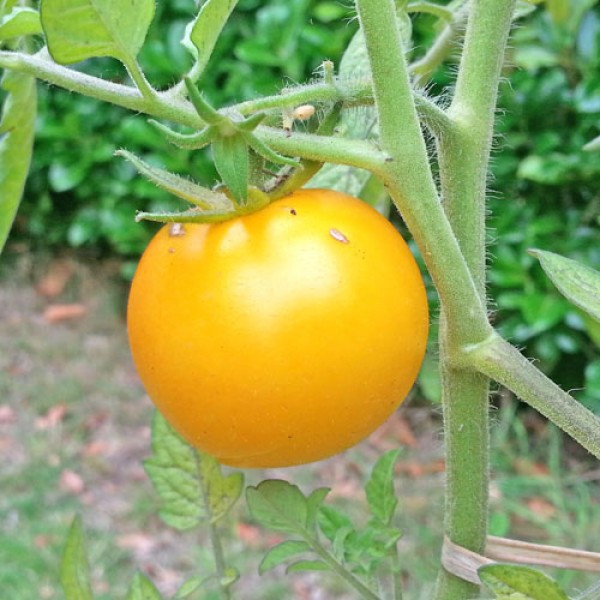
[[281, 337]]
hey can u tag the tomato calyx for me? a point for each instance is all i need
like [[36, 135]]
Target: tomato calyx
[[208, 206], [232, 138]]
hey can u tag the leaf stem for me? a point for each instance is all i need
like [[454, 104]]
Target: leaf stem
[[215, 538], [338, 568], [505, 364], [441, 48], [138, 77]]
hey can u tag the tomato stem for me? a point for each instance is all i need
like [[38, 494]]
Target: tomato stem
[[339, 569]]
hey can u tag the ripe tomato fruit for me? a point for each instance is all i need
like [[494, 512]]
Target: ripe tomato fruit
[[281, 337]]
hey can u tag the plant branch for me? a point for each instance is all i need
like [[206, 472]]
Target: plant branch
[[463, 154], [408, 175], [339, 569], [138, 77], [441, 48], [43, 68], [357, 153], [501, 361]]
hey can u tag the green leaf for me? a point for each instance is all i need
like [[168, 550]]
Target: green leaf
[[314, 503], [520, 583], [331, 520], [278, 505], [231, 160], [190, 483], [17, 124], [74, 568], [579, 283], [593, 146], [20, 21], [201, 35], [381, 495], [142, 589], [281, 553], [189, 587], [307, 565], [80, 29]]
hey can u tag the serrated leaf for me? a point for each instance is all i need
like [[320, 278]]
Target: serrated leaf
[[520, 583], [307, 565], [381, 495], [202, 33], [74, 568], [331, 520], [282, 553], [76, 30], [313, 505], [221, 492], [230, 154], [190, 483], [142, 589], [20, 21], [278, 505], [17, 125], [579, 283]]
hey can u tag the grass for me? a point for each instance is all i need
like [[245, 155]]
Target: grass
[[75, 429]]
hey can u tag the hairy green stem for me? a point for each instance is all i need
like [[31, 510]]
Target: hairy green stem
[[464, 152], [138, 77], [159, 105], [441, 48], [407, 173], [501, 361], [357, 153]]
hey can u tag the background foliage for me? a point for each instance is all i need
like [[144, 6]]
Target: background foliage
[[546, 191]]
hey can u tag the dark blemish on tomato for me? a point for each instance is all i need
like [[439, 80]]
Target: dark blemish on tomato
[[176, 230], [290, 437], [336, 234], [293, 211]]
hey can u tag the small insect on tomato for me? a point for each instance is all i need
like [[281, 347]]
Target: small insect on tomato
[[281, 337]]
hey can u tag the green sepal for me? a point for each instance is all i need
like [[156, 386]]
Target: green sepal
[[261, 148], [203, 198], [192, 215], [205, 111], [189, 141], [252, 122], [230, 154]]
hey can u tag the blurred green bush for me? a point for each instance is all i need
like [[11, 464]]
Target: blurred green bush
[[545, 189]]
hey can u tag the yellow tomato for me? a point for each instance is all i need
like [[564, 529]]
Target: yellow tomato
[[281, 337]]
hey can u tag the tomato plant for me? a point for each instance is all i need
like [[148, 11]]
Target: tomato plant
[[280, 337]]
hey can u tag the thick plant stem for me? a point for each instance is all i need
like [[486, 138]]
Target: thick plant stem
[[464, 157], [407, 172]]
